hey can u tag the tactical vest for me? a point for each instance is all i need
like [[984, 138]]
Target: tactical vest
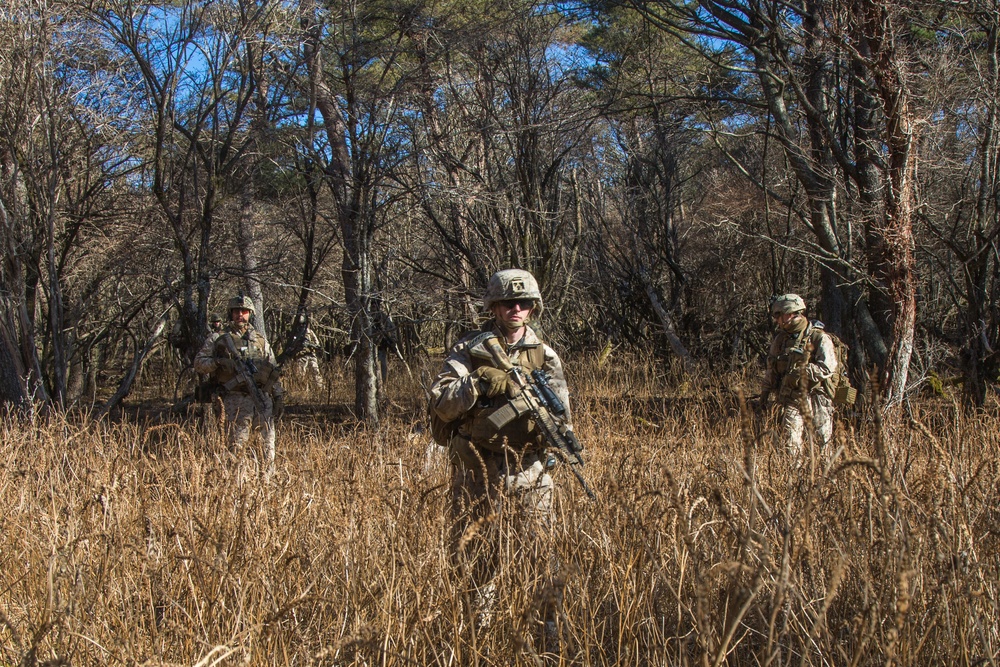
[[837, 386], [251, 346], [807, 342], [494, 423]]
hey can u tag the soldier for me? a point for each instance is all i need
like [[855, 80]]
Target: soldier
[[488, 464], [215, 324], [308, 360], [217, 359], [801, 365]]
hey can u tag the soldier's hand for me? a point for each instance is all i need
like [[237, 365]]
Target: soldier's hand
[[492, 381], [278, 405], [226, 364]]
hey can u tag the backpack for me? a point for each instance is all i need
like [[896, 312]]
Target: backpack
[[838, 387]]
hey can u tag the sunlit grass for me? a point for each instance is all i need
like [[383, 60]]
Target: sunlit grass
[[146, 542]]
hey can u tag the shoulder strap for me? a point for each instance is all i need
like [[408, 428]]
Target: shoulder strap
[[480, 338]]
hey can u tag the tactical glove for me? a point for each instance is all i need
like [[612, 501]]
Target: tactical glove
[[278, 405], [492, 381]]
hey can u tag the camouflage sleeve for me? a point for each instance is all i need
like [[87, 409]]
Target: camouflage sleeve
[[823, 363], [554, 367], [454, 392], [204, 362], [269, 353]]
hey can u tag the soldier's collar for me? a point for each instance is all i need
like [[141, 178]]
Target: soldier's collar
[[245, 333]]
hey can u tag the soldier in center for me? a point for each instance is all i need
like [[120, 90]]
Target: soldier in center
[[237, 349], [496, 457], [801, 364]]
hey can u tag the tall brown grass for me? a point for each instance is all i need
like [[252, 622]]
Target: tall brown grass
[[144, 542]]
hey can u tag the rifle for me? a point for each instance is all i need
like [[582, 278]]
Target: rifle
[[245, 372], [546, 409]]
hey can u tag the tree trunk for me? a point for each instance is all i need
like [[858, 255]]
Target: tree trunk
[[248, 254], [891, 253], [13, 391], [667, 322], [353, 213], [977, 325], [125, 386], [358, 291]]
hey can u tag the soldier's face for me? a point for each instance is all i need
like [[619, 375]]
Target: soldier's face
[[240, 316], [784, 320], [513, 314]]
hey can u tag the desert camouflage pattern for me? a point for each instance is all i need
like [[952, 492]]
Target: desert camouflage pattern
[[243, 419], [308, 361], [793, 423], [454, 392], [241, 302], [485, 483], [784, 385], [242, 416], [513, 284], [787, 303]]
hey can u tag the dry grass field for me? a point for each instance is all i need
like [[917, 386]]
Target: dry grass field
[[143, 542]]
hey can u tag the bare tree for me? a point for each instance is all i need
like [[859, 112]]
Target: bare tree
[[61, 164], [357, 85], [195, 65], [502, 129], [805, 68]]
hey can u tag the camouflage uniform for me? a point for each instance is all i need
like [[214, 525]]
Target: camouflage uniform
[[485, 470], [308, 360], [455, 395], [784, 376], [241, 414], [215, 324]]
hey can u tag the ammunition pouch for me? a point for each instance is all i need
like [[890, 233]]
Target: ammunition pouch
[[223, 377], [501, 422], [462, 451], [781, 364], [267, 374], [845, 395], [789, 385]]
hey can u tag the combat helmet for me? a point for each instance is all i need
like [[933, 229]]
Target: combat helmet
[[241, 302], [512, 284], [214, 317], [787, 303]]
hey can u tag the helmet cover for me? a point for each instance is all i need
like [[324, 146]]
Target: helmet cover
[[787, 303], [512, 284], [242, 303]]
